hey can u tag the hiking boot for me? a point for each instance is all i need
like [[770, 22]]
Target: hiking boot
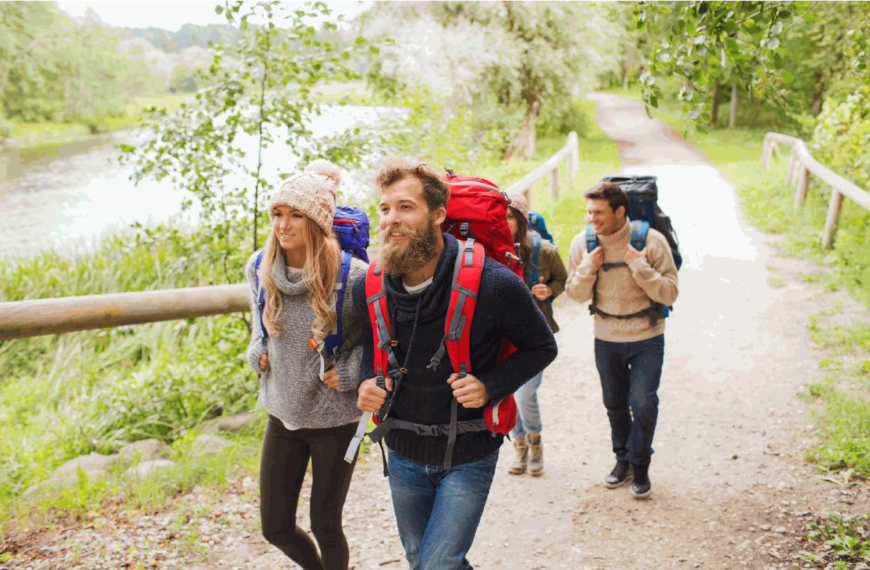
[[536, 459], [641, 487], [620, 475], [519, 464]]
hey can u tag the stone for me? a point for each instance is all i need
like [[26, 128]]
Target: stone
[[233, 423], [146, 468], [60, 481], [205, 444], [89, 462], [145, 450]]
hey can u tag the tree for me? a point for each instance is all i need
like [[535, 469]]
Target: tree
[[265, 99], [735, 42], [524, 57]]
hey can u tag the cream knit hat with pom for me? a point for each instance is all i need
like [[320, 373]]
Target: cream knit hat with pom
[[312, 192]]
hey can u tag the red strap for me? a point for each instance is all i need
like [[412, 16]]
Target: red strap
[[467, 279], [375, 288]]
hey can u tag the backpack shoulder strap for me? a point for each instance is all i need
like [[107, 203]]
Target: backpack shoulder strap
[[331, 342], [591, 239], [536, 249], [639, 231], [261, 294], [460, 315], [376, 299]]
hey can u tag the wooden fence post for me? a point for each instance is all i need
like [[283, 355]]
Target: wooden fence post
[[554, 183], [792, 167], [802, 183], [832, 220]]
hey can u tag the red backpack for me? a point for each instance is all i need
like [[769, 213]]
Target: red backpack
[[477, 210]]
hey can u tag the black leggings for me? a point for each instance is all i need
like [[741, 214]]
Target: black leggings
[[282, 469]]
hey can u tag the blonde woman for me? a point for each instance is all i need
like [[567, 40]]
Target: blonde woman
[[311, 399]]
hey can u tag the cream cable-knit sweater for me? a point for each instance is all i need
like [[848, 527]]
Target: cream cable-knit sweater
[[623, 290], [291, 389]]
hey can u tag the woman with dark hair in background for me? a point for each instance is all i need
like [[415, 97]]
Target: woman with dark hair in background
[[545, 274]]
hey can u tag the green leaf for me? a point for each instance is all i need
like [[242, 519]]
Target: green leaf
[[218, 10], [787, 76], [360, 40]]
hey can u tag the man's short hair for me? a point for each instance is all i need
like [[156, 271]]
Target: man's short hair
[[396, 168], [610, 191]]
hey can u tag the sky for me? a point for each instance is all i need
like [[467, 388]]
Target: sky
[[172, 15]]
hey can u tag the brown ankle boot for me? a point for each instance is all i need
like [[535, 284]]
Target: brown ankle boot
[[519, 464], [536, 461]]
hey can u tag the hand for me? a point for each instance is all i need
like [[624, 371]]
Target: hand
[[264, 361], [632, 255], [468, 391], [330, 377], [542, 291], [596, 257], [371, 398]]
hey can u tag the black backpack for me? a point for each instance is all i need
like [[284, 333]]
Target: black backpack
[[643, 205]]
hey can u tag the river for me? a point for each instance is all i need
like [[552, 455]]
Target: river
[[68, 196]]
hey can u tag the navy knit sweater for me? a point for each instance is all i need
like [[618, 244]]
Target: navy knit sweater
[[504, 309]]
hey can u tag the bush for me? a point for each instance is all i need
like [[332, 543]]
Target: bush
[[841, 140]]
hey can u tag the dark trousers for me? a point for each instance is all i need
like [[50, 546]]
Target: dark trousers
[[630, 373], [282, 469]]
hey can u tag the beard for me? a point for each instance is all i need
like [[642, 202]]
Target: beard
[[402, 258]]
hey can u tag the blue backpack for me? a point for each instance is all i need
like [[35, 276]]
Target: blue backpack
[[537, 223], [536, 248], [351, 226]]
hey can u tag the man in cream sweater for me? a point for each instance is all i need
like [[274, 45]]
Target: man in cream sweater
[[624, 286]]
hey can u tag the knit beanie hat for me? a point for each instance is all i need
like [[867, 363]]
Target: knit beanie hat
[[518, 202], [312, 192]]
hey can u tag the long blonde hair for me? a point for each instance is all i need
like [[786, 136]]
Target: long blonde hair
[[320, 274]]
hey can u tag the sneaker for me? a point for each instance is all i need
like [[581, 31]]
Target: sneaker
[[641, 488], [620, 475], [536, 459], [519, 464]]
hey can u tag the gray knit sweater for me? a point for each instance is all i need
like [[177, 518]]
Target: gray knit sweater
[[291, 389]]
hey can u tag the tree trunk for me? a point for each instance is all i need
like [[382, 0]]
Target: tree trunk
[[717, 100], [523, 145], [733, 121], [626, 74], [819, 94]]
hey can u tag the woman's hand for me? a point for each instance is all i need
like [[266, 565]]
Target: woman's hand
[[330, 377], [264, 361]]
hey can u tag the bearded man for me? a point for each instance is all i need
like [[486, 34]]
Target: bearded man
[[438, 508]]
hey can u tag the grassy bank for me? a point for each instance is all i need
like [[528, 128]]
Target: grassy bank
[[94, 391]]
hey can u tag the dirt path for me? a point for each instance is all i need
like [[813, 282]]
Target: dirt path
[[730, 488]]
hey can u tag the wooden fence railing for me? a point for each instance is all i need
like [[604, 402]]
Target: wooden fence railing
[[23, 319], [800, 166], [570, 153]]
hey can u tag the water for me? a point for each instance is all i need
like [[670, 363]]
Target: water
[[69, 196]]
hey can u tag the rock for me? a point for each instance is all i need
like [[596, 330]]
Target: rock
[[780, 529], [146, 468], [204, 444], [233, 423], [764, 527], [60, 481], [145, 450], [89, 462]]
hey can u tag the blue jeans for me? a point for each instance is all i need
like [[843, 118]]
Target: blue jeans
[[528, 412], [630, 373], [438, 510]]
